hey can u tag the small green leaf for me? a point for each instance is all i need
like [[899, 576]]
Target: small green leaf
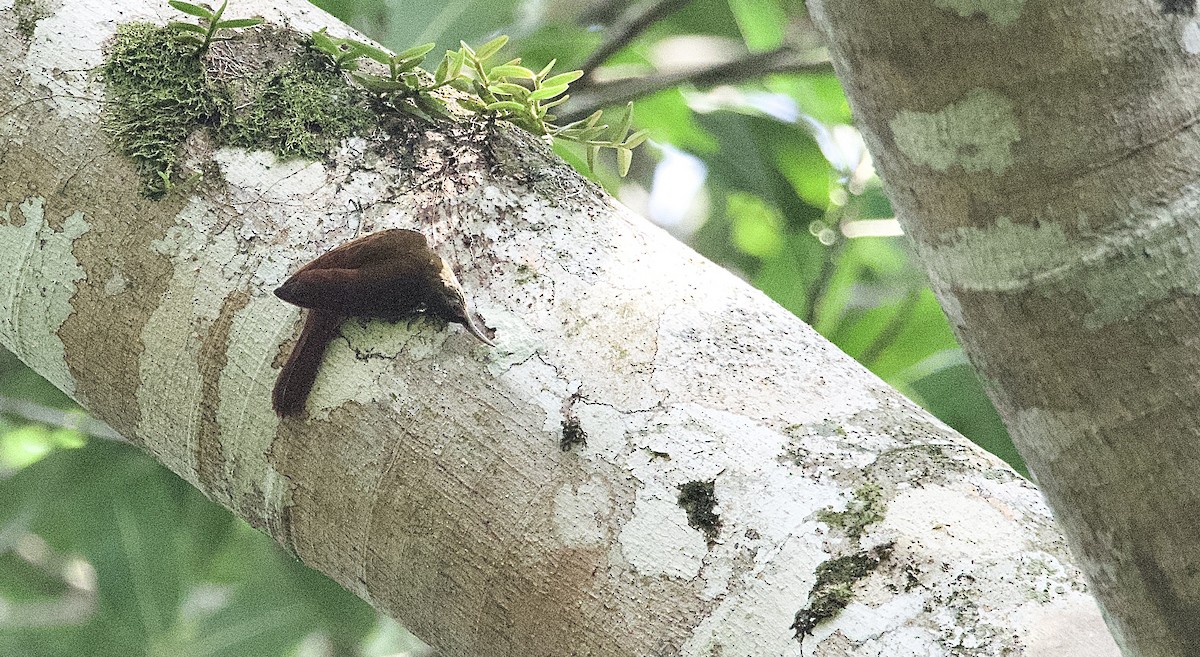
[[556, 102], [323, 43], [433, 105], [187, 27], [594, 118], [491, 47], [624, 125], [367, 50], [416, 51], [439, 76], [234, 23], [408, 63], [547, 92], [592, 152], [506, 106], [636, 139], [509, 89], [378, 85], [463, 84], [472, 105], [189, 8], [466, 50], [562, 79], [510, 71], [456, 65], [216, 16], [541, 74], [624, 160]]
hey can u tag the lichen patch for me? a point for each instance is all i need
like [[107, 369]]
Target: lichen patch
[[38, 276], [997, 12], [975, 134]]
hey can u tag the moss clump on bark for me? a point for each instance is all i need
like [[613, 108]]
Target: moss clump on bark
[[835, 587], [157, 94], [867, 508], [159, 91], [699, 501], [304, 109]]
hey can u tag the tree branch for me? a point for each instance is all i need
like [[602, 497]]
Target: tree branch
[[750, 67], [724, 461], [632, 22]]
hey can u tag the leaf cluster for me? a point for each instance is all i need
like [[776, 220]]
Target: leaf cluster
[[210, 21], [506, 91]]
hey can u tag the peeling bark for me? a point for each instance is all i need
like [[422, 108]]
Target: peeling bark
[[428, 475]]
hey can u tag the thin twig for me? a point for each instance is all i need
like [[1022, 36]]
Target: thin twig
[[816, 291], [751, 67], [887, 335], [633, 21], [57, 418]]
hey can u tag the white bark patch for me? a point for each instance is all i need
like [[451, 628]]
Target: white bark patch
[[244, 410], [360, 365], [951, 525], [976, 134], [756, 619], [1073, 628], [1148, 257], [863, 623], [657, 539], [1189, 38], [579, 515], [206, 265], [38, 272], [998, 12]]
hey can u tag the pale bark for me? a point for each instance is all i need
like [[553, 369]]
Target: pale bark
[[1042, 156], [428, 476]]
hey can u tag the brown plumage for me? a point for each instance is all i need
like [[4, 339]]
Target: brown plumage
[[388, 275]]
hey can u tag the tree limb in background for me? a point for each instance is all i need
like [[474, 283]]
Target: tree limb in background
[[631, 23], [750, 67]]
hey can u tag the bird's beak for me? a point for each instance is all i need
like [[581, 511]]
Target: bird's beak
[[476, 330]]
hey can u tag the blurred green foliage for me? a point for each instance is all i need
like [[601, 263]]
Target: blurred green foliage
[[103, 552]]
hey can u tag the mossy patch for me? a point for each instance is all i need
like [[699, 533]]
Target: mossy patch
[[572, 434], [157, 93], [699, 500], [29, 12], [302, 109], [835, 587], [160, 90], [865, 509]]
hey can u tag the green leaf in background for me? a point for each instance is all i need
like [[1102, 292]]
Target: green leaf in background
[[166, 571], [761, 22]]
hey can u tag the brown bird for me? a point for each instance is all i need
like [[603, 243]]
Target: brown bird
[[387, 275]]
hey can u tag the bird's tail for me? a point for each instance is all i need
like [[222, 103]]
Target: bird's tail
[[300, 371]]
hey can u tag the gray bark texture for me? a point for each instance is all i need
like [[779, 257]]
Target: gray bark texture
[[1043, 158], [738, 470]]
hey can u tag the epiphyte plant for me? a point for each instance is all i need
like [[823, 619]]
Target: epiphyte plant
[[508, 91], [210, 22]]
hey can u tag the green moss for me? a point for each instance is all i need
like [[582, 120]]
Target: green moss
[[157, 94], [302, 109], [29, 12], [835, 587], [866, 508], [698, 499]]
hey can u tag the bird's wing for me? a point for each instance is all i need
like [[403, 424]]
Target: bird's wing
[[374, 248]]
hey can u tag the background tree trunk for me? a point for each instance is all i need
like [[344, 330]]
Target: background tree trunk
[[731, 454], [1043, 159]]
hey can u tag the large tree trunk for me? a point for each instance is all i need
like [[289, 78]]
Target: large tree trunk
[[1043, 158], [428, 475]]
